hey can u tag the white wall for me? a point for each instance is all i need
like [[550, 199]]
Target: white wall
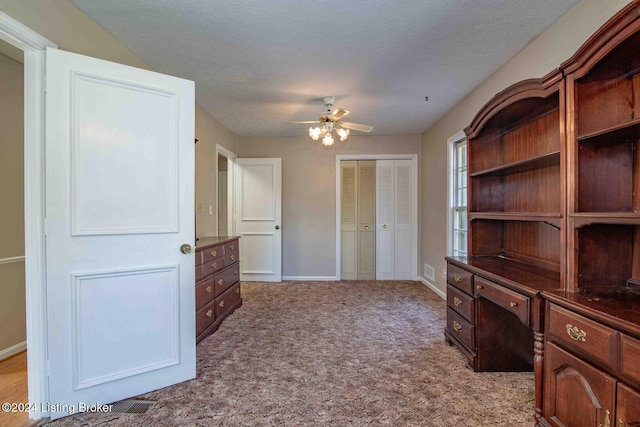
[[545, 53], [309, 193]]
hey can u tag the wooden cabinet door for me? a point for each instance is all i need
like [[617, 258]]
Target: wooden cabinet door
[[627, 408], [575, 393]]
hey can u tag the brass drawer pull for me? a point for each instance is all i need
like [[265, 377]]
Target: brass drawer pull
[[607, 419], [232, 256], [237, 290], [232, 247], [575, 333], [457, 326], [457, 278], [214, 253], [479, 287], [457, 302], [208, 289], [220, 282], [209, 313], [214, 265], [513, 304], [221, 303], [235, 272]]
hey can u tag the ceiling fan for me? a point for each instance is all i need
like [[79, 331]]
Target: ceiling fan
[[332, 121]]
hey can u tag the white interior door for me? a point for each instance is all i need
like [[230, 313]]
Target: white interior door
[[385, 219], [404, 222], [258, 199], [223, 200], [349, 220], [366, 220], [119, 205]]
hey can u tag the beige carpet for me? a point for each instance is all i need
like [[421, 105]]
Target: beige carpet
[[337, 354]]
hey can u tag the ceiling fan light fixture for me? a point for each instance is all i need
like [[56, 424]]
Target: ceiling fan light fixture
[[343, 133], [328, 139], [314, 133]]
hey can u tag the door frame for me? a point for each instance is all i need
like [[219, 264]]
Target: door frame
[[414, 164], [34, 46], [231, 162]]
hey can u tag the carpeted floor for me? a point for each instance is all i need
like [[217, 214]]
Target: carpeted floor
[[338, 354]]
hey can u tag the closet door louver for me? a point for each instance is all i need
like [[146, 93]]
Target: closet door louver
[[349, 220], [385, 208], [404, 209], [366, 219]]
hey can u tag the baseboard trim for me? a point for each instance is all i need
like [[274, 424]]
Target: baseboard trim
[[13, 350], [309, 278], [433, 287]]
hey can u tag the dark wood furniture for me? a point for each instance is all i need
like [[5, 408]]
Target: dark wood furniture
[[552, 281], [217, 282]]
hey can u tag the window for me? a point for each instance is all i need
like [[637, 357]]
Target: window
[[459, 199]]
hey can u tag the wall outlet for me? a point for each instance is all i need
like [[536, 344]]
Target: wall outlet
[[429, 272], [444, 273]]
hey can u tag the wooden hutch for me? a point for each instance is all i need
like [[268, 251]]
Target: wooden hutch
[[552, 280]]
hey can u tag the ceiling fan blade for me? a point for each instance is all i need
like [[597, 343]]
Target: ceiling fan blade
[[356, 126], [337, 114], [302, 122]]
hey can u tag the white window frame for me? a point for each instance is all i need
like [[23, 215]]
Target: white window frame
[[453, 142]]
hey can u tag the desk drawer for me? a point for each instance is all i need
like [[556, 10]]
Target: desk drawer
[[630, 363], [230, 258], [462, 303], [582, 335], [231, 247], [461, 329], [510, 300], [227, 300], [205, 317], [204, 293], [227, 278], [212, 266], [461, 279]]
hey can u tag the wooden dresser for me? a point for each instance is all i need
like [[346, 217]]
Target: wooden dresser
[[552, 280], [217, 282]]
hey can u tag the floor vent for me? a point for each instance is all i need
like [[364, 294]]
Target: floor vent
[[131, 406]]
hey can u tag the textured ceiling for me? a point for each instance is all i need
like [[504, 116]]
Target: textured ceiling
[[260, 63]]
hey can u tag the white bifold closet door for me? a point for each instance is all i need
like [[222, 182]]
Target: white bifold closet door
[[395, 225], [358, 217]]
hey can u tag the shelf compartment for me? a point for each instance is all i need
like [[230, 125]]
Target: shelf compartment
[[625, 131], [530, 164], [620, 218], [531, 242], [525, 130], [535, 190], [609, 96], [553, 218], [608, 176], [608, 256]]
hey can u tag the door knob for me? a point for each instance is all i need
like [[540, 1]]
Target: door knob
[[384, 226], [185, 249], [277, 227], [366, 227]]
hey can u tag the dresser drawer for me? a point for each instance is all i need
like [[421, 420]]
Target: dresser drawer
[[231, 247], [461, 329], [204, 293], [205, 317], [230, 258], [212, 266], [462, 303], [582, 335], [510, 300], [630, 363], [461, 279], [226, 278], [212, 253], [227, 300]]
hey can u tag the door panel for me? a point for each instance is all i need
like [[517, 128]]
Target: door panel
[[404, 208], [349, 220], [258, 199], [385, 211], [366, 220], [119, 203], [575, 394], [628, 407]]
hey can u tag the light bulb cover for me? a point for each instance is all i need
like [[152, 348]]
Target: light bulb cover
[[328, 139]]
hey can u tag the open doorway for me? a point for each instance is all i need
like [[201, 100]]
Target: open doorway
[[224, 189], [13, 336]]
